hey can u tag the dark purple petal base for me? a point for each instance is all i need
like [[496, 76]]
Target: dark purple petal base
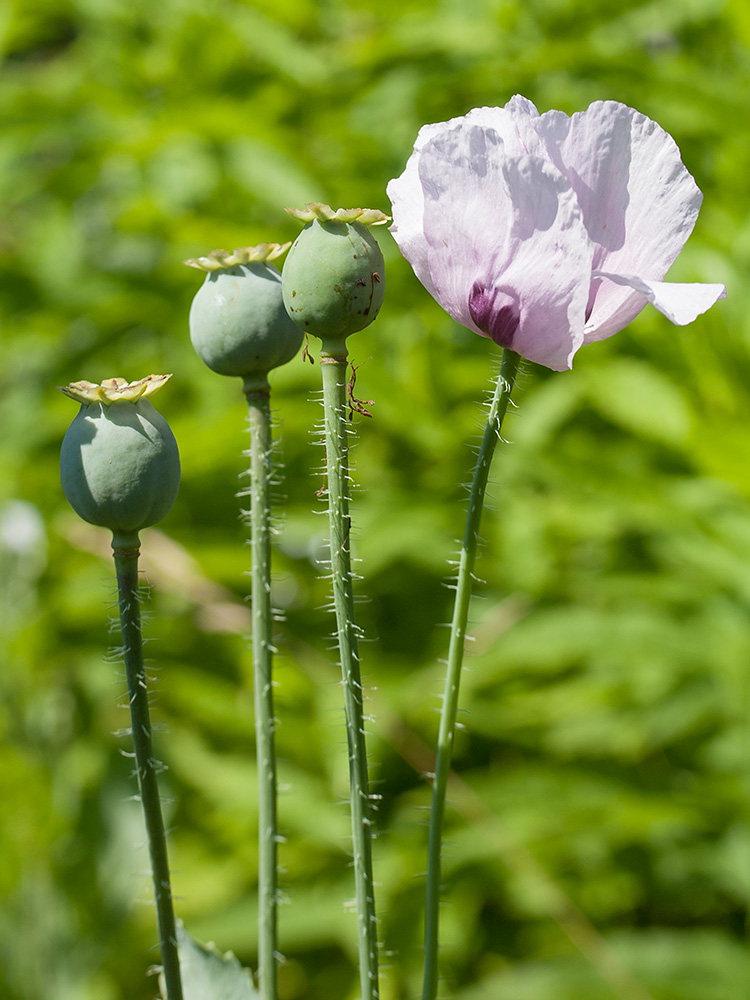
[[495, 312]]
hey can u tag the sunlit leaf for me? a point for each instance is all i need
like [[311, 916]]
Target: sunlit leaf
[[209, 975]]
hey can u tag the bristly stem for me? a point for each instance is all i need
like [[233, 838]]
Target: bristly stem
[[259, 410], [126, 566], [498, 408], [334, 366]]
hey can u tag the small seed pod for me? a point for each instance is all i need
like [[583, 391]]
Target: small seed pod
[[238, 324], [119, 463], [334, 277]]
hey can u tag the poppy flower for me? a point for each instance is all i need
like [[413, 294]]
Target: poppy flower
[[546, 232]]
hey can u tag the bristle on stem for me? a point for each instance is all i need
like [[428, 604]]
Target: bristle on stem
[[463, 588], [334, 372], [259, 418], [146, 765]]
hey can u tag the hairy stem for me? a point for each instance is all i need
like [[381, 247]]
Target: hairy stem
[[498, 407], [334, 368], [260, 525], [126, 565]]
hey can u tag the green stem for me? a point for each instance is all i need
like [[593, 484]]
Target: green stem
[[337, 465], [498, 407], [126, 566], [259, 410]]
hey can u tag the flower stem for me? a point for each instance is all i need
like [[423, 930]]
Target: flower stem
[[259, 411], [126, 566], [334, 366], [498, 407]]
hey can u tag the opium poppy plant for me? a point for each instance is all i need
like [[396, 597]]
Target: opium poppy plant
[[543, 233]]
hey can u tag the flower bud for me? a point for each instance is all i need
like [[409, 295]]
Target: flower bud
[[238, 324], [334, 276], [119, 463]]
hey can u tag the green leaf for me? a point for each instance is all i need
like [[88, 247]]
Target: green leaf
[[209, 975], [641, 400]]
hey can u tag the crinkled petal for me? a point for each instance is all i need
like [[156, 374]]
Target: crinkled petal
[[628, 209], [639, 201], [680, 302], [505, 236], [407, 201], [513, 124], [516, 124]]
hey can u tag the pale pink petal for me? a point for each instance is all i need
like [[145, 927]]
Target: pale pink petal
[[680, 302], [639, 202], [407, 200], [606, 186], [508, 253], [638, 199], [521, 107], [406, 196], [516, 124]]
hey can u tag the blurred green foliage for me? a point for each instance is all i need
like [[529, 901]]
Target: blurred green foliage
[[599, 837]]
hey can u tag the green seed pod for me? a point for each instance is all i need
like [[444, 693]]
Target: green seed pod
[[334, 277], [238, 324], [119, 463]]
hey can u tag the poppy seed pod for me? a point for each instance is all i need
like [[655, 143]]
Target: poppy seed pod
[[238, 324], [334, 277], [119, 463]]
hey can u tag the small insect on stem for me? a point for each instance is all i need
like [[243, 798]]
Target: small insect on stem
[[306, 356], [355, 404]]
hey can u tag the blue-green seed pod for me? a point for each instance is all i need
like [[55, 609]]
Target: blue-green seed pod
[[334, 277], [119, 462], [238, 324]]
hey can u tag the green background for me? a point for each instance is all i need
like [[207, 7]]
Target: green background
[[598, 845]]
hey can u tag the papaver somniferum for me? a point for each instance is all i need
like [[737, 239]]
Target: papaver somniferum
[[546, 232]]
